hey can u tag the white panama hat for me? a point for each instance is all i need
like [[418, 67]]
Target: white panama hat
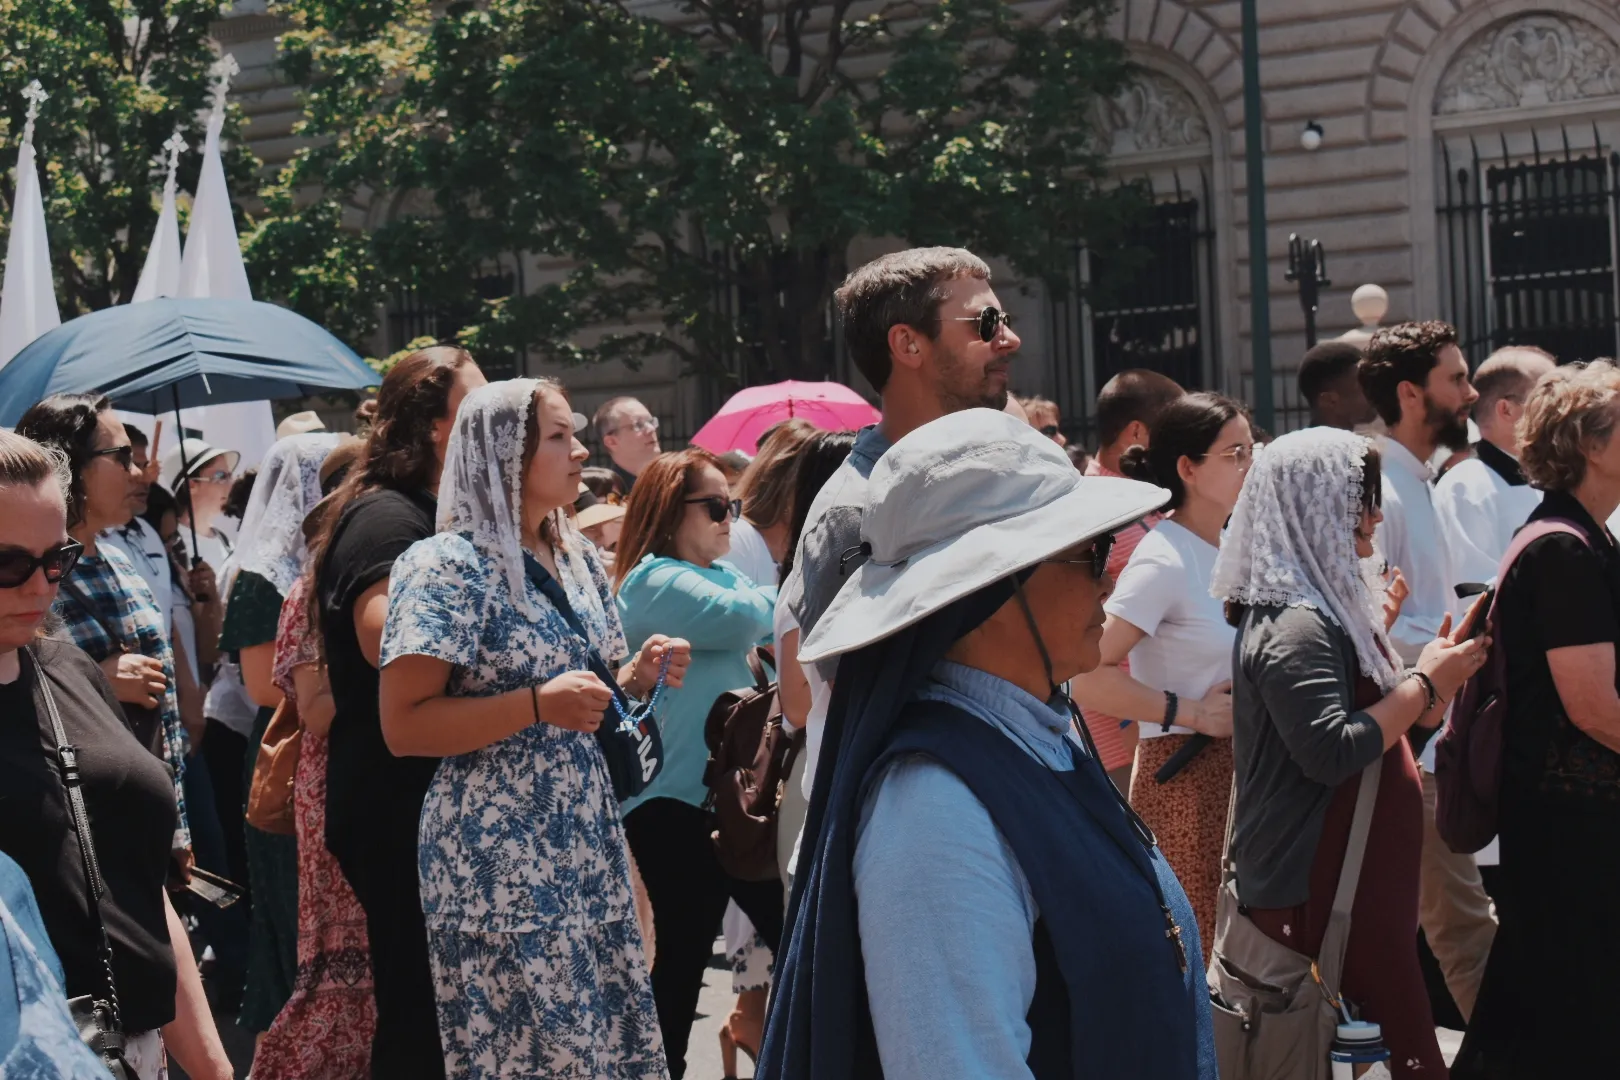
[[956, 505]]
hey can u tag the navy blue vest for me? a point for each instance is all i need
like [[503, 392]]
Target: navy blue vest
[[1110, 998]]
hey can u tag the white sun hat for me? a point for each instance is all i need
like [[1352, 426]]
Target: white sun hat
[[956, 505]]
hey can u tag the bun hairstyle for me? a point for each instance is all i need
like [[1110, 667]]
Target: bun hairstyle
[[1185, 427]]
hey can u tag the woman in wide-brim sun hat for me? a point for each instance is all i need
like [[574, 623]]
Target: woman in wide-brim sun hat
[[974, 898]]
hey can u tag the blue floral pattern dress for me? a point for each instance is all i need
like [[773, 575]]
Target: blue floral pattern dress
[[537, 957]]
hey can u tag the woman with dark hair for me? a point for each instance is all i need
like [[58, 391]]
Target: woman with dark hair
[[374, 799], [671, 578], [257, 577], [127, 940], [804, 692], [1320, 706], [759, 537], [497, 627], [105, 605], [1161, 616]]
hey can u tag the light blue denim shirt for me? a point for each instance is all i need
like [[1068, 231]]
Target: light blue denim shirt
[[946, 914]]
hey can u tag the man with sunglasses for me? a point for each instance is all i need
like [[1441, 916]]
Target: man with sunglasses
[[929, 334], [628, 431]]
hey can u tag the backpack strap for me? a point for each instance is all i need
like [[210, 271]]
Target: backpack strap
[[1522, 539]]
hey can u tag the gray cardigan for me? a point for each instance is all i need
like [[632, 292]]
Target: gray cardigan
[[1296, 737]]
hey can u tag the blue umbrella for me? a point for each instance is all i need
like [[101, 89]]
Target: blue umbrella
[[170, 354]]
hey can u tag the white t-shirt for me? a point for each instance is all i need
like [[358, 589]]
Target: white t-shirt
[[820, 696], [751, 555], [1164, 592]]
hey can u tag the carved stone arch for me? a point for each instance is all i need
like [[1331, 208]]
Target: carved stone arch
[[1478, 26]]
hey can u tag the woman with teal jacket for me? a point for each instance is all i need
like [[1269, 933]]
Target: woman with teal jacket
[[670, 573]]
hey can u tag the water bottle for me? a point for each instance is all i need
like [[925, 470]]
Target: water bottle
[[1359, 1052]]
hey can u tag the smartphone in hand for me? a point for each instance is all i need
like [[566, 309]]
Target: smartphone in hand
[[1474, 622]]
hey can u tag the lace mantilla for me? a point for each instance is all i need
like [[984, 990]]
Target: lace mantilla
[[271, 542], [1291, 541], [481, 490]]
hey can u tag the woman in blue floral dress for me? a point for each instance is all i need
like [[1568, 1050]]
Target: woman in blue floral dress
[[537, 958]]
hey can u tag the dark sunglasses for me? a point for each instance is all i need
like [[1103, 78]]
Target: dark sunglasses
[[719, 509], [16, 567], [125, 455], [1049, 430], [1096, 558], [990, 321]]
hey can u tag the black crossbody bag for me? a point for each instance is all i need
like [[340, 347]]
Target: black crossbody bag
[[633, 757], [97, 1018]]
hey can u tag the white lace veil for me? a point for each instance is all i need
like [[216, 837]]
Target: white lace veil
[[271, 542], [1291, 540], [481, 490]]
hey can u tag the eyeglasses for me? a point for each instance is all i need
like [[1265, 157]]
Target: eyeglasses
[[125, 455], [1096, 558], [719, 509], [16, 567], [1241, 456], [990, 321], [217, 476], [1049, 430], [645, 426]]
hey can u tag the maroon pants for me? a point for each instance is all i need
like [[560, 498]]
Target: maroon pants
[[1381, 973]]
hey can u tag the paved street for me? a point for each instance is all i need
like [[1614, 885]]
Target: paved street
[[702, 1059]]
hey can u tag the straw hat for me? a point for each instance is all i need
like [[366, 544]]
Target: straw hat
[[956, 505], [300, 423]]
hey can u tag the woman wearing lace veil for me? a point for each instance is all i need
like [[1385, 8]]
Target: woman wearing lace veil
[[268, 557], [537, 960], [1315, 700]]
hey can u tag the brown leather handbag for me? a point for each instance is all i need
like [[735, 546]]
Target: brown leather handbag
[[270, 798]]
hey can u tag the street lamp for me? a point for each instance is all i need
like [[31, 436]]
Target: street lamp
[[1255, 173], [1307, 265]]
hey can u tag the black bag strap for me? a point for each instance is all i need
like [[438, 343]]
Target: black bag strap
[[553, 591], [758, 660], [68, 759]]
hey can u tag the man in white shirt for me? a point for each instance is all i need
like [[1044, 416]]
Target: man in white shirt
[[1417, 379], [1483, 501]]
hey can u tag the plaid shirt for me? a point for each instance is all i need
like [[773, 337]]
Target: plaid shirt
[[125, 603]]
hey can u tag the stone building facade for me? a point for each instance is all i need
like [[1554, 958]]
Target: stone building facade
[[1467, 163]]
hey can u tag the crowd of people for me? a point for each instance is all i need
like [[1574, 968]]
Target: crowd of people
[[414, 731]]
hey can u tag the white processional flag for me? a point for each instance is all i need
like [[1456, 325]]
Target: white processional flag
[[160, 276], [28, 297], [212, 266]]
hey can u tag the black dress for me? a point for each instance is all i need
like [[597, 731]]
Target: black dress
[[1548, 990]]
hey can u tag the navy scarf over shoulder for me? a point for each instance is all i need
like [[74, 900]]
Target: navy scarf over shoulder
[[1124, 1008]]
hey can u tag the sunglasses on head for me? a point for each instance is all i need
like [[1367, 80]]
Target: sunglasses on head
[[16, 567], [990, 321], [719, 509], [1096, 558], [124, 455]]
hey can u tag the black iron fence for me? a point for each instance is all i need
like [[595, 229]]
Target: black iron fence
[[1147, 304], [1528, 249]]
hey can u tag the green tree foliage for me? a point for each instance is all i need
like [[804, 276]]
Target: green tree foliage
[[701, 167], [122, 75]]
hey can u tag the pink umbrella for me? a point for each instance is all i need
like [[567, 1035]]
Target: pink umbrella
[[742, 420]]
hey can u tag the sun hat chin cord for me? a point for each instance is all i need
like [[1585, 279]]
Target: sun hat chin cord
[[1143, 832]]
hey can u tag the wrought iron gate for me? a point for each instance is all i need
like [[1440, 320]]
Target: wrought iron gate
[[1147, 304], [1528, 249]]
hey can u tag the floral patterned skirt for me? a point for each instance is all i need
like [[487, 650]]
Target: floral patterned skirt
[[1188, 815], [560, 1003], [324, 1032]]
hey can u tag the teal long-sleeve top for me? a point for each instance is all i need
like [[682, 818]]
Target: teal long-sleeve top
[[723, 614]]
